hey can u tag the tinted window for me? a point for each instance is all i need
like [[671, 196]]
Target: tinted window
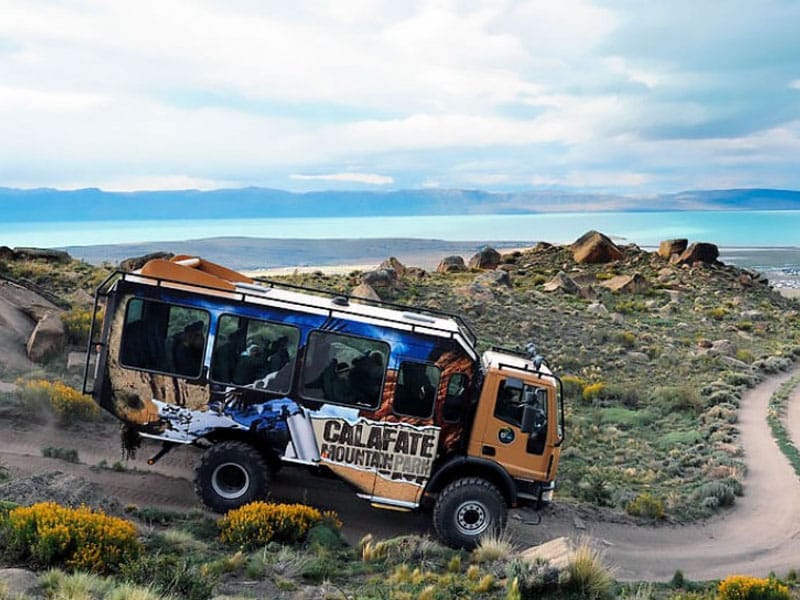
[[512, 397], [344, 369], [455, 403], [415, 394], [164, 337], [254, 353]]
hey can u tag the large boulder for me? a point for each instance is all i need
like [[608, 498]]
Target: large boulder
[[557, 553], [380, 278], [451, 264], [19, 583], [365, 291], [487, 259], [669, 247], [561, 282], [137, 262], [700, 252], [49, 337], [627, 284], [395, 264], [593, 247]]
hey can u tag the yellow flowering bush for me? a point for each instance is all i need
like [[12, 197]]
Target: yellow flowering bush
[[743, 587], [66, 402], [593, 391], [78, 321], [51, 535], [258, 523]]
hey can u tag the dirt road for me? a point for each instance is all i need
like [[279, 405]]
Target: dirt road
[[761, 533]]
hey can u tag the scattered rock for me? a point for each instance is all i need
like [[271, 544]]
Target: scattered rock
[[669, 247], [416, 273], [18, 583], [617, 318], [487, 259], [753, 315], [137, 262], [59, 487], [48, 254], [495, 278], [395, 264], [700, 252], [638, 356], [557, 553], [561, 282], [597, 308], [384, 278], [365, 290], [725, 347], [48, 338], [593, 247], [627, 284], [451, 264]]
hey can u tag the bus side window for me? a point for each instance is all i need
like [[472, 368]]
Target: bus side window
[[255, 354], [455, 402], [344, 369], [417, 386], [164, 338]]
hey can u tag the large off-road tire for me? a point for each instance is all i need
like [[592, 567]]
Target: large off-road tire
[[466, 510], [230, 475]]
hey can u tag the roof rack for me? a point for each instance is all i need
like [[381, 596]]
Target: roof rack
[[411, 316]]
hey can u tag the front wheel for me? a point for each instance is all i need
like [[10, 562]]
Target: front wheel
[[466, 510], [231, 474]]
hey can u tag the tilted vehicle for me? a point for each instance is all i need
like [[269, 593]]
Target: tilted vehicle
[[394, 400]]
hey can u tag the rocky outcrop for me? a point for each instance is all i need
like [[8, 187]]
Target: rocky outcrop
[[49, 337], [627, 284], [19, 583], [47, 254], [451, 264], [487, 259], [700, 252], [381, 278], [593, 247], [137, 262], [395, 264], [562, 283], [669, 247], [365, 291]]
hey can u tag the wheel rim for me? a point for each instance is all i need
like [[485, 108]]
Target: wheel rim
[[230, 481], [472, 518]]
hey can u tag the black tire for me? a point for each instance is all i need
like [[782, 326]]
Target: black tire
[[231, 474], [466, 510]]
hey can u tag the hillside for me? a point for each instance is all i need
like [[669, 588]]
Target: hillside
[[656, 352], [94, 204]]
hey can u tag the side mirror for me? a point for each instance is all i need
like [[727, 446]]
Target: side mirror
[[533, 419]]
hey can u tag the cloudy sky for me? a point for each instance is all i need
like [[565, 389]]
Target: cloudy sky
[[615, 95]]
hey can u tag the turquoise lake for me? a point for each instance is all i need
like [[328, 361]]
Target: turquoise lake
[[724, 228]]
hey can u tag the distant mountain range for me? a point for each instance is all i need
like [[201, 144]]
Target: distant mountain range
[[44, 204]]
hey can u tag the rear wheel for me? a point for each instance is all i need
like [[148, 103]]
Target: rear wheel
[[230, 475], [466, 510]]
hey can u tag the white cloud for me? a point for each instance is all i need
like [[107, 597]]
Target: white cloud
[[795, 85], [370, 178], [37, 100]]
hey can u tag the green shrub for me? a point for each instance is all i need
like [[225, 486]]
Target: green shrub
[[715, 494], [66, 454], [47, 534], [646, 505], [742, 587], [587, 576], [572, 386], [170, 575], [674, 398]]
